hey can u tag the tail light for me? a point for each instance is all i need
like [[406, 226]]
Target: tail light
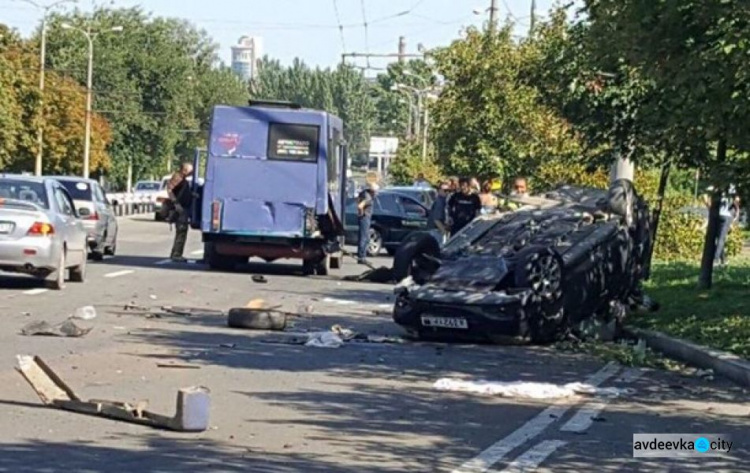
[[216, 215], [93, 216], [41, 229]]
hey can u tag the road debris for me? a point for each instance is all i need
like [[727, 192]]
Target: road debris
[[185, 366], [381, 275], [85, 313], [259, 278], [525, 390], [192, 413], [65, 329], [256, 318], [324, 340]]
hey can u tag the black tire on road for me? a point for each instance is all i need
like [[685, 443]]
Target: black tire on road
[[257, 319], [409, 260], [323, 267], [541, 269]]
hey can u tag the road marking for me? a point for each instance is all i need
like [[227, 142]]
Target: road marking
[[533, 457], [117, 274], [197, 252], [164, 261], [33, 292], [583, 419], [497, 451]]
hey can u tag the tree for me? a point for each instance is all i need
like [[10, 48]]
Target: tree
[[696, 53], [488, 120]]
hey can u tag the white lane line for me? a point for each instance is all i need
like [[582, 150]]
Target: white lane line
[[164, 261], [197, 252], [497, 451], [533, 457], [33, 292], [117, 274], [583, 419]]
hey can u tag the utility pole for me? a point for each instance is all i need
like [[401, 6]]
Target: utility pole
[[401, 49], [533, 16], [493, 15], [42, 59]]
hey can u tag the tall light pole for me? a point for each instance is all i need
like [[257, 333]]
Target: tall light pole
[[42, 59], [90, 36]]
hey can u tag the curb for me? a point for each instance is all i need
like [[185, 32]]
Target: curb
[[726, 364]]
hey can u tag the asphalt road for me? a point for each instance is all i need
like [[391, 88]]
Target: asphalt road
[[276, 408]]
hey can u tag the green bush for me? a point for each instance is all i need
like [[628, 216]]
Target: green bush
[[409, 163]]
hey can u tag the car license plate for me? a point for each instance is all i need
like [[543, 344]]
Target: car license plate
[[6, 227], [445, 322]]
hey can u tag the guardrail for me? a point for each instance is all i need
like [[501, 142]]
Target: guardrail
[[132, 204]]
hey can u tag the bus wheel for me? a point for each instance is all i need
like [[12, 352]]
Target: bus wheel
[[324, 265], [308, 267]]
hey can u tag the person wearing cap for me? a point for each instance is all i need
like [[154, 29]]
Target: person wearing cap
[[365, 201]]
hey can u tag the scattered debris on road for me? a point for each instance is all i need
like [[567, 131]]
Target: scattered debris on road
[[524, 389], [257, 317], [193, 403], [85, 313], [185, 366], [65, 329], [381, 275], [324, 340], [259, 278]]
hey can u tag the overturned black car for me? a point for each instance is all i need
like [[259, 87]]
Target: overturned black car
[[566, 261]]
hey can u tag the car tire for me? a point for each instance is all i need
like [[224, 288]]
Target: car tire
[[78, 273], [375, 243], [541, 269], [308, 267], [409, 261], [112, 249], [323, 267], [217, 262], [97, 255], [391, 250], [256, 319], [56, 279]]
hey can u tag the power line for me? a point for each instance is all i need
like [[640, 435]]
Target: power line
[[341, 27], [367, 34]]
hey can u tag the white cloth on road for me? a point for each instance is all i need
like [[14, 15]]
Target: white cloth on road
[[523, 389], [324, 340]]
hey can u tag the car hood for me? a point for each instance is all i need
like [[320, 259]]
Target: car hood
[[471, 273]]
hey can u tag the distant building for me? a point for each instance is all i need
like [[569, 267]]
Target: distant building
[[245, 56]]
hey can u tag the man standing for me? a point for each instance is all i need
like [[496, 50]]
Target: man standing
[[463, 206], [438, 212], [729, 213], [178, 189], [365, 201]]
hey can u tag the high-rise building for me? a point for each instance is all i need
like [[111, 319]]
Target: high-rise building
[[245, 56]]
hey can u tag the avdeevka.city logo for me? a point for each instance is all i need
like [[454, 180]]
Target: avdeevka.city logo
[[702, 444]]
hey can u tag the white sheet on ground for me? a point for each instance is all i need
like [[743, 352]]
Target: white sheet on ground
[[324, 340], [524, 389]]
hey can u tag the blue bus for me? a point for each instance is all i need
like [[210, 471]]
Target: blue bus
[[274, 187]]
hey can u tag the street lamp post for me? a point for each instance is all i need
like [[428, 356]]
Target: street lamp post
[[90, 36], [42, 59]]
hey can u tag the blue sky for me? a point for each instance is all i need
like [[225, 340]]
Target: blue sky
[[309, 28]]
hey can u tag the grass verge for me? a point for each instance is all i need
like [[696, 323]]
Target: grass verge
[[718, 318]]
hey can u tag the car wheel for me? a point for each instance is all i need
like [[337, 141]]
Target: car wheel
[[97, 255], [111, 250], [56, 279], [375, 244], [323, 267], [78, 273], [415, 258], [541, 270], [308, 267], [256, 319], [216, 261]]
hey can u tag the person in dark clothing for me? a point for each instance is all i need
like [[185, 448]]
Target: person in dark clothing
[[365, 202], [439, 213], [463, 206], [729, 214], [181, 198]]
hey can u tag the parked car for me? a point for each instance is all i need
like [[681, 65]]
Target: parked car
[[96, 213], [394, 217], [146, 188], [425, 196], [40, 231], [573, 262]]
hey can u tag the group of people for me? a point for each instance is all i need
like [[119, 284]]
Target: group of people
[[460, 201]]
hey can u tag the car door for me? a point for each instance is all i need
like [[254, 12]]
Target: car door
[[351, 223], [413, 217], [72, 230], [387, 216]]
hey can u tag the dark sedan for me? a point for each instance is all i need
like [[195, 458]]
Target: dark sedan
[[394, 217]]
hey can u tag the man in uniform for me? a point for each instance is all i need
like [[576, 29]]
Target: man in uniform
[[178, 189], [365, 202]]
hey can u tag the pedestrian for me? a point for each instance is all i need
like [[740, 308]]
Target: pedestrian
[[365, 202], [421, 182], [439, 214], [729, 213], [452, 184], [180, 196], [475, 187], [520, 187], [488, 199], [463, 206]]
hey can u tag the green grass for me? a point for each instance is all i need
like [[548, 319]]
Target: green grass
[[718, 318]]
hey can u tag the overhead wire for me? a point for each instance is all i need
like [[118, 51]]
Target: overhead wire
[[367, 34], [341, 27]]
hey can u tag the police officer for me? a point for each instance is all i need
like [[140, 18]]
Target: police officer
[[178, 189]]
